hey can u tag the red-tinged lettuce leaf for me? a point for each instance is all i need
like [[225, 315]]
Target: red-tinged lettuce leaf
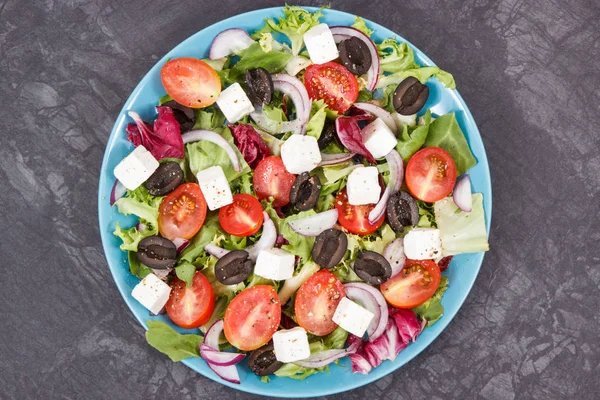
[[408, 325], [360, 365], [249, 143], [349, 134], [163, 140]]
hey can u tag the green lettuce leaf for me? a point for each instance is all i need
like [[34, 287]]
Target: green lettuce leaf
[[445, 132], [305, 270], [140, 203], [318, 115], [204, 154], [210, 230], [255, 57], [175, 345], [138, 269], [217, 64], [422, 74], [131, 237], [426, 215], [294, 24], [361, 25], [395, 57], [186, 271], [413, 138], [432, 310], [209, 118], [461, 232], [300, 245]]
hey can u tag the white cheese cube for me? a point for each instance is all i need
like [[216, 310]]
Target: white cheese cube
[[275, 264], [215, 187], [152, 293], [136, 168], [410, 120], [234, 103], [423, 244], [291, 345], [352, 317], [320, 44], [300, 154], [363, 186], [378, 138]]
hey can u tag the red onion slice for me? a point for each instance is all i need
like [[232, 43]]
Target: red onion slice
[[162, 273], [333, 158], [211, 339], [215, 250], [213, 137], [394, 253], [230, 41], [296, 64], [378, 112], [267, 239], [462, 194], [118, 191], [220, 358], [315, 224], [181, 244], [344, 32], [364, 294], [396, 176], [323, 358], [271, 126]]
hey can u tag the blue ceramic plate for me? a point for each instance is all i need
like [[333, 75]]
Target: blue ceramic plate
[[143, 99]]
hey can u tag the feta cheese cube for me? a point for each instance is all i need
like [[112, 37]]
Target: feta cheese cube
[[320, 44], [275, 264], [291, 345], [300, 154], [352, 317], [363, 186], [136, 168], [152, 293], [423, 244], [215, 187], [410, 120], [234, 103], [378, 138]]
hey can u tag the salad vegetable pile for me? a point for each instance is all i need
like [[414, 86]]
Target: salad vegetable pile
[[296, 199]]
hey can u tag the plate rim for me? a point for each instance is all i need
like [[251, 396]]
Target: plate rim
[[376, 373]]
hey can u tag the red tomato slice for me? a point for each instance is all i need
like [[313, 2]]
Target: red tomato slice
[[430, 174], [252, 317], [191, 82], [243, 217], [272, 179], [416, 283], [191, 307], [316, 301], [182, 212], [333, 83], [355, 219]]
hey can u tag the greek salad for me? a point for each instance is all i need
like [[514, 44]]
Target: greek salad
[[297, 201]]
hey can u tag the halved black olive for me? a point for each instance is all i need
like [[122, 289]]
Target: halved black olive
[[234, 267], [402, 210], [355, 55], [410, 96], [327, 135], [184, 115], [305, 191], [372, 267], [165, 179], [329, 248], [259, 86], [263, 362], [157, 252]]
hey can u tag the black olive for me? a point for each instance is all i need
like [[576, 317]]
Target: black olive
[[165, 179], [305, 191], [402, 210], [355, 55], [234, 267], [329, 248], [410, 96], [184, 115], [157, 252], [372, 267], [259, 86], [263, 362], [327, 135]]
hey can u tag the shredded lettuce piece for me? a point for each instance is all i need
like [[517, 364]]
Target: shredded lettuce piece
[[294, 24], [461, 232]]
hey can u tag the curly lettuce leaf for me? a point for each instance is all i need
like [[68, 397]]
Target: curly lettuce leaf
[[142, 204], [432, 310], [131, 237], [461, 232], [422, 74], [395, 57], [361, 25], [295, 23], [445, 132]]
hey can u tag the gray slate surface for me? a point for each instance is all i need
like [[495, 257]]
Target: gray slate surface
[[530, 72]]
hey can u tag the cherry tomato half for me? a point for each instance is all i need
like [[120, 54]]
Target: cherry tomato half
[[182, 212], [191, 307], [316, 301], [191, 82], [333, 83], [412, 286], [272, 179], [243, 217], [430, 174], [355, 219]]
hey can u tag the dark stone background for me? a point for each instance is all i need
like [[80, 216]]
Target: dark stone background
[[529, 71]]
